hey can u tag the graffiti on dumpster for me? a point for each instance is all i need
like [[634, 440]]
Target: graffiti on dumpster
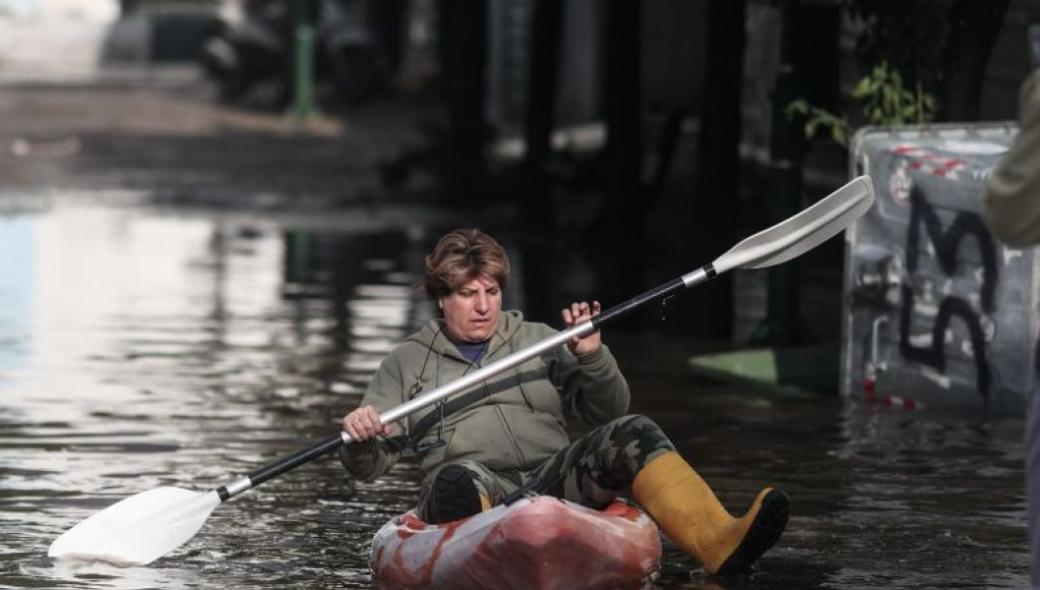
[[941, 313], [929, 162], [946, 242]]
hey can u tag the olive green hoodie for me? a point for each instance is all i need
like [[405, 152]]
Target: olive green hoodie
[[513, 421]]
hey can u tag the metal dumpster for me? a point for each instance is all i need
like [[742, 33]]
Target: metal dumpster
[[937, 310]]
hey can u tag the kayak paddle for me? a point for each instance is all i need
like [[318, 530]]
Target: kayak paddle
[[144, 527]]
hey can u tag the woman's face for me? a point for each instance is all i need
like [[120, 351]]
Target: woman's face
[[471, 311]]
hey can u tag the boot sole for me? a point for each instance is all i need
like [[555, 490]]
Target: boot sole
[[763, 533], [454, 495]]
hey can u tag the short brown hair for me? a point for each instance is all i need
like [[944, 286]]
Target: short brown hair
[[461, 256]]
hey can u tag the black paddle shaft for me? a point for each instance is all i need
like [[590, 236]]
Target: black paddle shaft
[[621, 309], [298, 458], [281, 466]]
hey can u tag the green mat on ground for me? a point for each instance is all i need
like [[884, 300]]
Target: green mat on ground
[[794, 370]]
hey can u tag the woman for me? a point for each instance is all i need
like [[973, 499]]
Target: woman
[[508, 433]]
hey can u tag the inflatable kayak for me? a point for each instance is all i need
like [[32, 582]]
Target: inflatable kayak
[[534, 543]]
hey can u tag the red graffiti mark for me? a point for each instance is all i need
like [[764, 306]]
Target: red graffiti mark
[[948, 166], [929, 161]]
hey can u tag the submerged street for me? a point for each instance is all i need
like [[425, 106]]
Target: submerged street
[[157, 328]]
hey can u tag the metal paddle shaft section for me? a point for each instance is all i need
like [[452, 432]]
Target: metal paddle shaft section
[[145, 527]]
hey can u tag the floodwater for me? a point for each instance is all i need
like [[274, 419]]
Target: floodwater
[[142, 347]]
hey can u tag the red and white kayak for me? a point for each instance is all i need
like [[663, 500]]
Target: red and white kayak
[[535, 543]]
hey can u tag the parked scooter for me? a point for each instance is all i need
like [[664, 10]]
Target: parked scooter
[[249, 45], [253, 45], [348, 50]]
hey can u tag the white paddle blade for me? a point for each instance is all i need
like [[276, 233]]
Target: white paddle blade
[[803, 232], [139, 529]]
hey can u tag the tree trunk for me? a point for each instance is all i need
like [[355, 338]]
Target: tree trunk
[[618, 238], [543, 75], [974, 27], [463, 50]]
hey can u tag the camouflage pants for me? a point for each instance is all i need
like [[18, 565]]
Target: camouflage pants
[[591, 471]]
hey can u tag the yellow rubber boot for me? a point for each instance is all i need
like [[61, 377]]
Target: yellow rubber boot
[[689, 513]]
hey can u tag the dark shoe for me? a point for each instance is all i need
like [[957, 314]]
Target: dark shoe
[[455, 495]]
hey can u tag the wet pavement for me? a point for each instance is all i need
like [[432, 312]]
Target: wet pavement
[[148, 340]]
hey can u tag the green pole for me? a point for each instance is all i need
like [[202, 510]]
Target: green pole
[[303, 107]]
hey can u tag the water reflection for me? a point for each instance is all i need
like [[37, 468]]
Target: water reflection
[[140, 348], [880, 497], [144, 349], [16, 297]]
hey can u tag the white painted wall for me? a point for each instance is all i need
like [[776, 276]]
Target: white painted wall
[[52, 39]]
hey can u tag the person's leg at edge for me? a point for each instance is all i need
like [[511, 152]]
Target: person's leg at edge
[[1033, 483], [632, 456], [458, 490]]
